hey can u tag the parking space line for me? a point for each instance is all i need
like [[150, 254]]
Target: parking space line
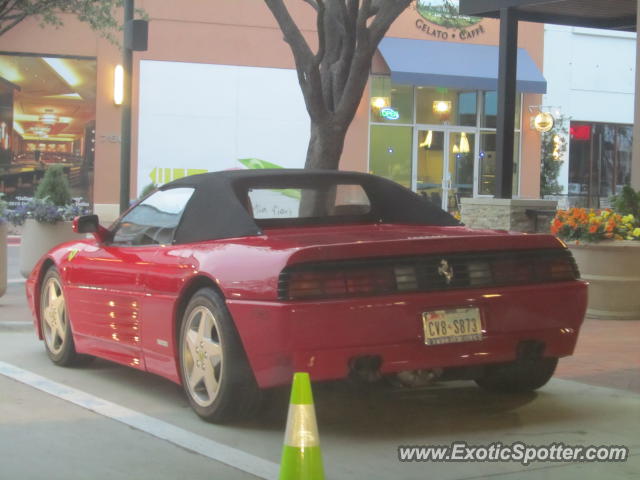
[[233, 457], [16, 280]]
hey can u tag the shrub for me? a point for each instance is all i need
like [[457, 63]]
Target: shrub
[[627, 202], [55, 187]]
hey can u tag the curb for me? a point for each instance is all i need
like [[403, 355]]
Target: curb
[[14, 240]]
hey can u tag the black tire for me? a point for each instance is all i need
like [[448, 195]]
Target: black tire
[[55, 324], [518, 377], [214, 370]]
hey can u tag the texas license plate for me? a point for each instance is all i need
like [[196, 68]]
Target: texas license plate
[[452, 326]]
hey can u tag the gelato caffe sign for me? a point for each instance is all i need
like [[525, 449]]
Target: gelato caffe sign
[[441, 20]]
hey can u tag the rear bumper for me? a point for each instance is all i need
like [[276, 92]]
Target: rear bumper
[[322, 337]]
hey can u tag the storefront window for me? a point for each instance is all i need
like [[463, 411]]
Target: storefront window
[[390, 153], [487, 164], [443, 106], [391, 103], [450, 141], [47, 117], [489, 117], [599, 162]]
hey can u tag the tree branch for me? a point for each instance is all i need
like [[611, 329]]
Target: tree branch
[[313, 3], [306, 67], [5, 29], [320, 25], [389, 11]]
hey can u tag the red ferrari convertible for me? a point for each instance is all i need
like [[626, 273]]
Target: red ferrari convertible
[[229, 282]]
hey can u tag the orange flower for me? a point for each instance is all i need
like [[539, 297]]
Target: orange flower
[[611, 225]]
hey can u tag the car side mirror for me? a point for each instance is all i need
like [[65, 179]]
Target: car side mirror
[[91, 224], [86, 224]]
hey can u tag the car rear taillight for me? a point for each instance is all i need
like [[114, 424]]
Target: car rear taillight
[[556, 269], [544, 269], [336, 283], [428, 273]]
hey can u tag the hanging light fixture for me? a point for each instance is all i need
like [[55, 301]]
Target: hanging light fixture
[[464, 143], [49, 117], [441, 107], [543, 122], [41, 131], [427, 141], [379, 102]]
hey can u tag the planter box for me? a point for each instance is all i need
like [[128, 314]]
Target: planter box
[[3, 257], [38, 238], [612, 269]]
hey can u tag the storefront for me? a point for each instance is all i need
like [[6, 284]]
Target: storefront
[[433, 124], [217, 90], [592, 87], [599, 162], [48, 118]]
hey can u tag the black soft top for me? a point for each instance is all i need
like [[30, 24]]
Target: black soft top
[[216, 209]]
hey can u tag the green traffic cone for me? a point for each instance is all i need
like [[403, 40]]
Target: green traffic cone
[[301, 456]]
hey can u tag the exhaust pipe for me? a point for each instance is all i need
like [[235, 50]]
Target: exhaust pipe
[[366, 368], [418, 378]]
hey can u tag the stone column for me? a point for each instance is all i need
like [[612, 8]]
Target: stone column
[[519, 215]]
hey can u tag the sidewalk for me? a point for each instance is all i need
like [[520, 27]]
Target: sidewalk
[[13, 239], [607, 355]]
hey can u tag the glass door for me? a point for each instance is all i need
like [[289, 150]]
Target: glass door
[[430, 165], [459, 169], [444, 168]]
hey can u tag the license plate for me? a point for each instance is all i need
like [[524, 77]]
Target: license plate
[[452, 326]]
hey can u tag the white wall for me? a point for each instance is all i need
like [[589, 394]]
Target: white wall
[[590, 76], [199, 117]]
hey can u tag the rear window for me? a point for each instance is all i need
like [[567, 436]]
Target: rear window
[[308, 202]]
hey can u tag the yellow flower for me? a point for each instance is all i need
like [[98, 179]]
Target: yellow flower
[[636, 233], [628, 218]]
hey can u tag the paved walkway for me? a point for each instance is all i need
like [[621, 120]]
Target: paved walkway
[[607, 355]]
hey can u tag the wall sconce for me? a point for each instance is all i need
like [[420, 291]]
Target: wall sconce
[[441, 107], [118, 85]]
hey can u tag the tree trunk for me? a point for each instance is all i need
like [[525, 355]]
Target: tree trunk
[[325, 145]]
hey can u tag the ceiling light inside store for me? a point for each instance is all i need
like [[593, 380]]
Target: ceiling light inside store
[[61, 68], [380, 102], [49, 117], [441, 106]]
